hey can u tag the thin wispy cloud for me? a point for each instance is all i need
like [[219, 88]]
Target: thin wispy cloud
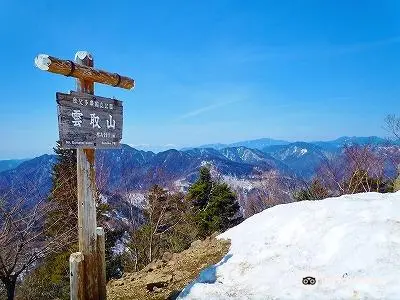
[[262, 53], [208, 108]]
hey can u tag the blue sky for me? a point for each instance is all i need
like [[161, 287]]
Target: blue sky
[[206, 71]]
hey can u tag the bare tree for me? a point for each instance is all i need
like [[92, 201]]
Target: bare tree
[[364, 164], [23, 240], [331, 173], [254, 204], [393, 126], [270, 188], [276, 188], [356, 169], [165, 218], [164, 212]]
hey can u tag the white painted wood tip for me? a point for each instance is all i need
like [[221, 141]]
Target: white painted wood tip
[[82, 55], [42, 61], [99, 231], [76, 257]]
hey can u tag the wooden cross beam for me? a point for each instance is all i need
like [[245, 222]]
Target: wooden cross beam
[[69, 68]]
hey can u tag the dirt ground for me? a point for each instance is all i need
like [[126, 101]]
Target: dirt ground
[[165, 278]]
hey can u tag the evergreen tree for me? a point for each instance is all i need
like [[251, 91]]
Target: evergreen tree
[[64, 192], [114, 268], [64, 195], [215, 204], [52, 277], [199, 192]]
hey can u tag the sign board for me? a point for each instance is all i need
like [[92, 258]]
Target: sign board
[[89, 121]]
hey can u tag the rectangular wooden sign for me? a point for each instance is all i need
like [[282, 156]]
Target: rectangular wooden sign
[[89, 121]]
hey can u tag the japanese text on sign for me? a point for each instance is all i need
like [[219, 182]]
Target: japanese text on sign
[[87, 121]]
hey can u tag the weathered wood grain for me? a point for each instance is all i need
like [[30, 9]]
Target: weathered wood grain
[[87, 223], [84, 72], [78, 124], [85, 59], [101, 259], [76, 276]]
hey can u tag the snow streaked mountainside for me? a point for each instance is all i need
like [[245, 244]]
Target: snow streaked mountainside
[[253, 144], [329, 146], [303, 158], [252, 156], [336, 145], [350, 245], [128, 169]]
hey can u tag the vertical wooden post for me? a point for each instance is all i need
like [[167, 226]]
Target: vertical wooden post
[[86, 198], [76, 276], [101, 259], [88, 265]]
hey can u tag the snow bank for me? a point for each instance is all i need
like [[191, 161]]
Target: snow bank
[[349, 244]]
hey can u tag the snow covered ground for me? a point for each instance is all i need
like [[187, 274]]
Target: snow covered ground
[[349, 244]]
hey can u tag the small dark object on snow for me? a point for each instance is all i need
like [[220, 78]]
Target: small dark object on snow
[[309, 280]]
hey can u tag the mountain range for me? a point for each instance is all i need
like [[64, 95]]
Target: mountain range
[[331, 145], [10, 164], [252, 144], [128, 169]]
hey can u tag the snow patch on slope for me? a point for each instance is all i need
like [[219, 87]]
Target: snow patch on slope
[[236, 183], [350, 244], [303, 151], [299, 151]]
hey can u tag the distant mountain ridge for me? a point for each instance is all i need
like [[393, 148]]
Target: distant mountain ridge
[[266, 142], [128, 169], [137, 169], [10, 164], [252, 144], [338, 143], [31, 180]]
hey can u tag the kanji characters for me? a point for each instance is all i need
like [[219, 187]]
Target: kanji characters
[[94, 120], [111, 123], [92, 102], [77, 117]]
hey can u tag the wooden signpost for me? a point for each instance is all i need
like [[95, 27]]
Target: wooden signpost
[[87, 122]]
